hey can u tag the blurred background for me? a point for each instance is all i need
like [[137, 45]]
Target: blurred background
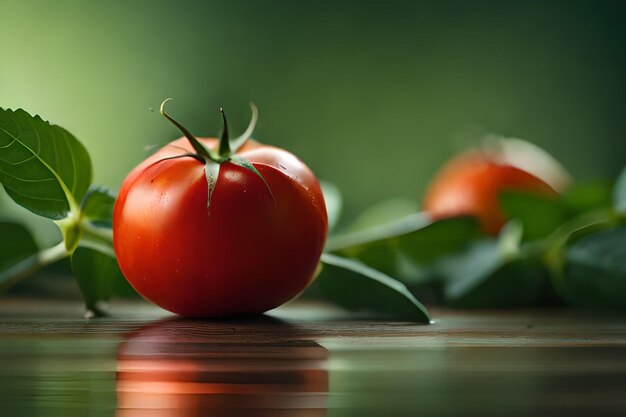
[[373, 95]]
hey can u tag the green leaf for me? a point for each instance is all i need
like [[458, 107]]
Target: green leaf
[[94, 262], [584, 197], [619, 193], [594, 275], [42, 166], [494, 273], [540, 215], [18, 252], [97, 206], [357, 287], [399, 227], [482, 279], [407, 247], [384, 213], [334, 203], [97, 274], [571, 231]]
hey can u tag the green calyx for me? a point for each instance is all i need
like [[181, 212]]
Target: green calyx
[[225, 151], [226, 147]]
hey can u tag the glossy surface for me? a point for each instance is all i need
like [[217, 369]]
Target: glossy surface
[[302, 363], [249, 252]]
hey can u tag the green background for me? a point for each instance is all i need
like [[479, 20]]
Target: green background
[[373, 96]]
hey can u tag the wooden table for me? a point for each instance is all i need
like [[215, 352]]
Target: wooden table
[[308, 360]]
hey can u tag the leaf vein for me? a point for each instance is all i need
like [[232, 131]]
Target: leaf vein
[[53, 172], [17, 163], [7, 145], [35, 197], [26, 179]]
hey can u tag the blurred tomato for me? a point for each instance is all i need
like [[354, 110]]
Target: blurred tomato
[[471, 182]]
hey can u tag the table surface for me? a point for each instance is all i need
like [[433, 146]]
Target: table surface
[[308, 360]]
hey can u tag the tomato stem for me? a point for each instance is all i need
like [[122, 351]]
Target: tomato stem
[[224, 150], [237, 143], [195, 143]]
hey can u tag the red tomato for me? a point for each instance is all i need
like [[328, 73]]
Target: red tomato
[[250, 251], [470, 183]]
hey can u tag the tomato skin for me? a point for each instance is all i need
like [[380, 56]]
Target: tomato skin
[[470, 184], [246, 254]]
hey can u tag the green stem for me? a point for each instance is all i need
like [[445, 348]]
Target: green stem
[[237, 143], [224, 147], [98, 238], [32, 264], [101, 233], [195, 143]]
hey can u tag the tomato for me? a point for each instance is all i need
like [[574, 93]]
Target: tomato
[[252, 247], [470, 184]]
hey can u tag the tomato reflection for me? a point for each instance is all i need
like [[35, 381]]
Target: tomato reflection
[[191, 368]]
